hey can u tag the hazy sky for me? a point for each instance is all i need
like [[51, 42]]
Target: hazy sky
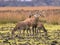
[[29, 2], [26, 0], [16, 0]]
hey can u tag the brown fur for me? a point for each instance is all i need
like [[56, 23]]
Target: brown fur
[[32, 22], [29, 22], [21, 26], [40, 26]]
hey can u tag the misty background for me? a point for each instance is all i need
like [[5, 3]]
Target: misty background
[[29, 3]]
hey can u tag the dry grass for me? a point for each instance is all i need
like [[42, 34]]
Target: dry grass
[[15, 14], [54, 19], [11, 17]]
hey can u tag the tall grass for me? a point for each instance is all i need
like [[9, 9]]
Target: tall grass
[[11, 17], [53, 19]]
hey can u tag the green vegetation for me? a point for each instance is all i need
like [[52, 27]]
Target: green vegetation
[[33, 41]]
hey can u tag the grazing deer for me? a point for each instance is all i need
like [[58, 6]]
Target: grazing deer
[[40, 26]]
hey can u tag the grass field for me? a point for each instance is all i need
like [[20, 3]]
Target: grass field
[[5, 36]]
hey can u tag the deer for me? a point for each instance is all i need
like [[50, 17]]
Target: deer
[[26, 24], [40, 27]]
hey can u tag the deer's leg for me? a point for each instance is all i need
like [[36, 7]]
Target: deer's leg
[[20, 31], [33, 30], [38, 29], [27, 31], [23, 29], [45, 30], [46, 33], [13, 32]]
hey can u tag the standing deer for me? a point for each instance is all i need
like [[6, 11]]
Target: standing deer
[[32, 22], [26, 24], [23, 25]]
